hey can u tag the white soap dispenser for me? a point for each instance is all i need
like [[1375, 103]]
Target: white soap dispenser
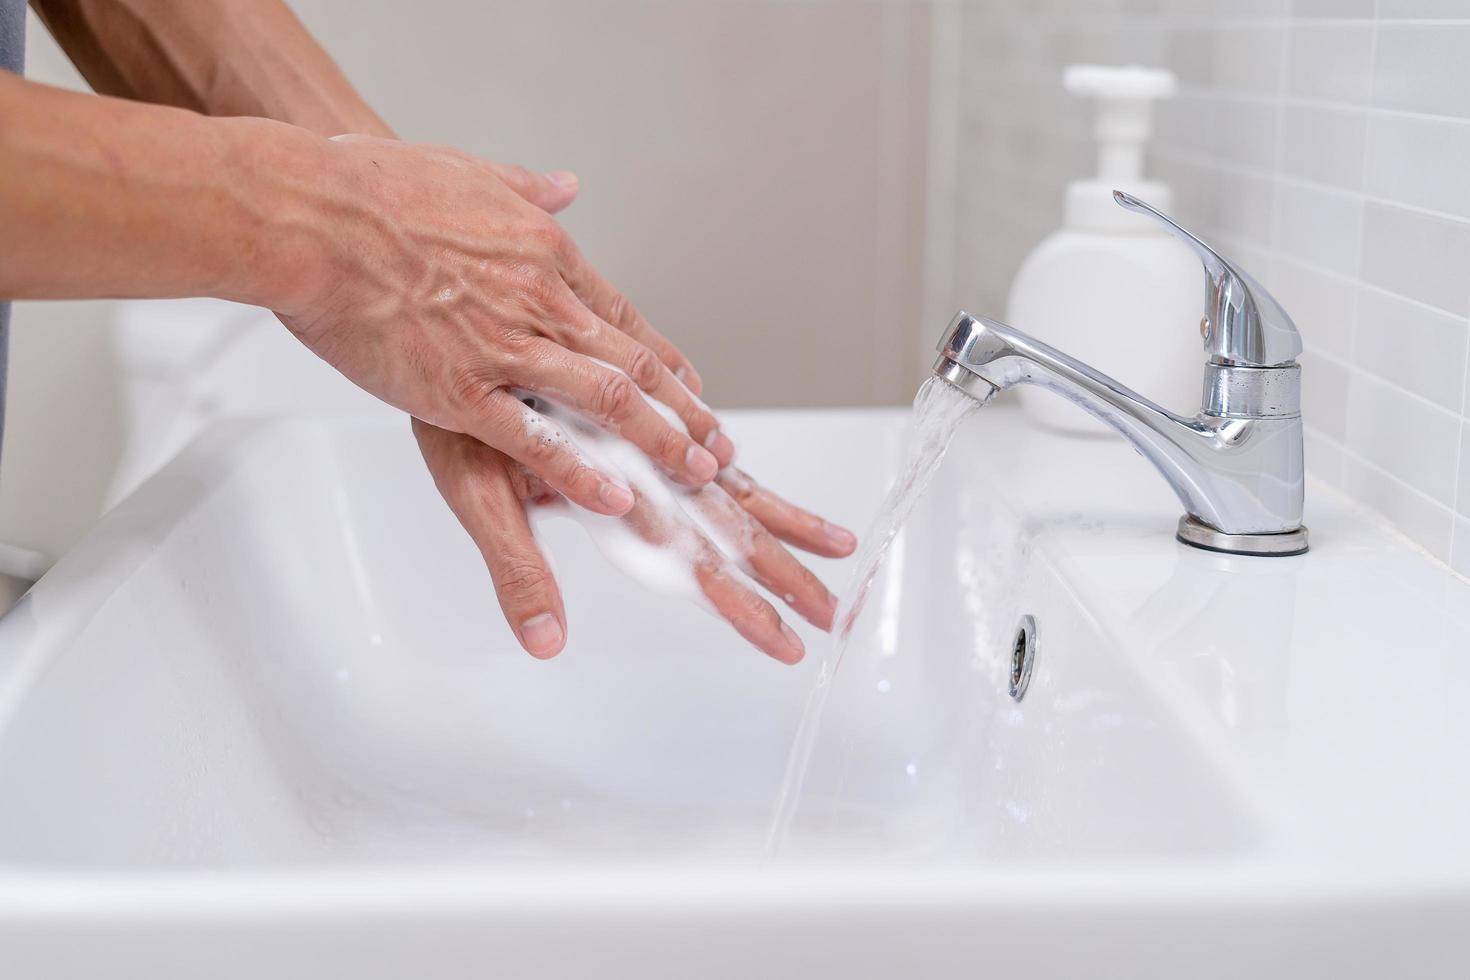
[[1112, 288]]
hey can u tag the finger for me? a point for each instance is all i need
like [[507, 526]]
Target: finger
[[763, 558], [478, 484], [754, 618], [550, 191], [501, 420], [615, 308], [611, 399], [785, 520], [589, 334]]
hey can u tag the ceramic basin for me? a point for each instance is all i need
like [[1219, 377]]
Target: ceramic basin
[[266, 717]]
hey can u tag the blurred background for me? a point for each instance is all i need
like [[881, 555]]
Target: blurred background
[[802, 192]]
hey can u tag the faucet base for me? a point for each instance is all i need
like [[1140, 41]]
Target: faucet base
[[1282, 544]]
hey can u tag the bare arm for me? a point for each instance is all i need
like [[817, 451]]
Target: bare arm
[[217, 57], [436, 281], [102, 197]]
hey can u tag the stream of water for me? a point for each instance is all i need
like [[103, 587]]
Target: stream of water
[[939, 408]]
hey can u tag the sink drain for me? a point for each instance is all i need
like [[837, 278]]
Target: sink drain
[[1023, 657]]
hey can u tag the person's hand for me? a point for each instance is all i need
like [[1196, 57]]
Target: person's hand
[[438, 287], [509, 307], [489, 493]]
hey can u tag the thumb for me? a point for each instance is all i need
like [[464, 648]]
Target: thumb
[[550, 192]]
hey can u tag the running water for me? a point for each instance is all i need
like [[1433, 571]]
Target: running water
[[939, 408]]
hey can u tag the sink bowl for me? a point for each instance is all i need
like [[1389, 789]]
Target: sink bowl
[[266, 717]]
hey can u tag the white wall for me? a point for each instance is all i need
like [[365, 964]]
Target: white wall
[[752, 174], [767, 180], [1325, 145]]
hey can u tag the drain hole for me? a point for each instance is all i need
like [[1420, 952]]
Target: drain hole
[[1023, 657]]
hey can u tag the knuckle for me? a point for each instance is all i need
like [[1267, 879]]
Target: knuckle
[[581, 479], [644, 368], [516, 175], [543, 452], [540, 289], [472, 388], [620, 311], [521, 348], [759, 614], [548, 236], [522, 483], [522, 579], [671, 445], [701, 421], [615, 395], [740, 489]]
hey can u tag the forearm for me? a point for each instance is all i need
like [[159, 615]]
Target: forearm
[[101, 197], [217, 57]]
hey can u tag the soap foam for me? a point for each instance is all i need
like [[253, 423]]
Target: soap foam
[[678, 514]]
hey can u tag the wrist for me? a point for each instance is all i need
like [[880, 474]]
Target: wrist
[[287, 179]]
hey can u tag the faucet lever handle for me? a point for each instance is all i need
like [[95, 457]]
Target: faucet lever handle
[[1243, 324]]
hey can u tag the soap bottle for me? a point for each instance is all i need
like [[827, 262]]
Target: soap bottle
[[1110, 287]]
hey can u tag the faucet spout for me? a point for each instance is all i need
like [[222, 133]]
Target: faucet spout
[[1236, 466]]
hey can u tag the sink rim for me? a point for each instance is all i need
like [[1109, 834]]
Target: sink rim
[[109, 554]]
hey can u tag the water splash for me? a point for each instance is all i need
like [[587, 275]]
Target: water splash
[[939, 408]]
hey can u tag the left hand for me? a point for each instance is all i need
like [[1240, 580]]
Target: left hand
[[488, 492]]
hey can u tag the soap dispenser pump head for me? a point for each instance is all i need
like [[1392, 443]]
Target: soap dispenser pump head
[[1125, 96]]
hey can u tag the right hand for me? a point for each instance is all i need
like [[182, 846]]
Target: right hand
[[439, 288], [489, 494], [448, 286]]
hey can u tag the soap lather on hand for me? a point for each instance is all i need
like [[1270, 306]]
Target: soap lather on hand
[[435, 280], [706, 543], [462, 297]]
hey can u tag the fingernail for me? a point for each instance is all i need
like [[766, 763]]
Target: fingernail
[[617, 497], [542, 635], [840, 537], [719, 444], [793, 641], [564, 179], [700, 464], [681, 372]]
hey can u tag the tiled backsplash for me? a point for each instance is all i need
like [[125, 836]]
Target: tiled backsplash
[[1324, 144]]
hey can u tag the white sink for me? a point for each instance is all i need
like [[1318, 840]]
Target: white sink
[[266, 718]]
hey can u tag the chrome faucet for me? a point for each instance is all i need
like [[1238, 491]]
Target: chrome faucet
[[1237, 465]]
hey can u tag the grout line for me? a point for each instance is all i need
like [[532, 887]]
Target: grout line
[[1394, 386], [1355, 319], [1413, 491], [1214, 21], [1389, 522], [1457, 491], [1278, 153], [1154, 34], [1207, 92], [1460, 453], [1418, 304], [1207, 161], [1372, 287], [1352, 280]]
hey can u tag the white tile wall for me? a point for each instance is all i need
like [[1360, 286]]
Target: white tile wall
[[1326, 145]]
